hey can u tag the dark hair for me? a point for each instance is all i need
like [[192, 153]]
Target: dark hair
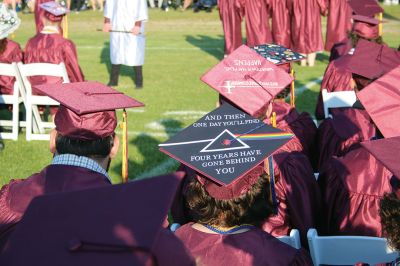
[[99, 148], [390, 219], [283, 94], [354, 39], [361, 82], [3, 45], [253, 207]]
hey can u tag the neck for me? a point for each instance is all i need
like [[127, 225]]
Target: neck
[[103, 162]]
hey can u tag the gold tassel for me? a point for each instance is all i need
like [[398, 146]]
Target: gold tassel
[[267, 171], [124, 126], [65, 27], [292, 90], [273, 119], [380, 27]]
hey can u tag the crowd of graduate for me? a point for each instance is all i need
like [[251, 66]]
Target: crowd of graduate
[[247, 171]]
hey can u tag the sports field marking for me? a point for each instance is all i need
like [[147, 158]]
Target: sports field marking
[[150, 134], [179, 113], [309, 85], [135, 110], [171, 48], [162, 168]]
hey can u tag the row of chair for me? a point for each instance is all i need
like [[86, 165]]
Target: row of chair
[[35, 127]]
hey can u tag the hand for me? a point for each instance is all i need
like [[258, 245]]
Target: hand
[[107, 27], [135, 30]]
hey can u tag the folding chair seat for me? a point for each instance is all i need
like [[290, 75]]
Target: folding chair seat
[[337, 99]]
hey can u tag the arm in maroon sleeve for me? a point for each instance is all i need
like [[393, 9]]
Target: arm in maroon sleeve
[[71, 62]]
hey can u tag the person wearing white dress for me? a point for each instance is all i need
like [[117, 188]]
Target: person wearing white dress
[[125, 20]]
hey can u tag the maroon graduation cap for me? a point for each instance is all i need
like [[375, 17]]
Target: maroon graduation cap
[[87, 110], [367, 8], [381, 99], [248, 80], [112, 225], [366, 27], [226, 147]]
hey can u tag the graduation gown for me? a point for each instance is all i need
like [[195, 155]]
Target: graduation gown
[[16, 196], [338, 22], [126, 48], [53, 48], [306, 25], [340, 48], [336, 78], [12, 53], [231, 13], [280, 22], [39, 15], [352, 187], [257, 22], [301, 125], [254, 247]]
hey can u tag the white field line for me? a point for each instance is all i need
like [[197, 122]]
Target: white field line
[[309, 85], [171, 48], [135, 110], [183, 113], [150, 134], [160, 169]]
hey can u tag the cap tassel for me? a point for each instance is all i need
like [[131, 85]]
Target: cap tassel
[[273, 119], [124, 125], [292, 90], [65, 27], [380, 26], [269, 168]]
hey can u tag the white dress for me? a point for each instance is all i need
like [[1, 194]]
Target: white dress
[[126, 48]]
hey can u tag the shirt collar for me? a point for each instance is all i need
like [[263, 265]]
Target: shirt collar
[[50, 30], [80, 161]]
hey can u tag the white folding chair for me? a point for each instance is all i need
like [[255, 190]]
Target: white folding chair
[[348, 250], [13, 99], [293, 239], [337, 99], [32, 101]]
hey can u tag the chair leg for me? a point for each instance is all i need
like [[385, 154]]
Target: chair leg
[[15, 120], [28, 121]]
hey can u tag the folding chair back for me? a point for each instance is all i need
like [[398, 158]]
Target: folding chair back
[[32, 101], [348, 250], [292, 240], [337, 99], [12, 99]]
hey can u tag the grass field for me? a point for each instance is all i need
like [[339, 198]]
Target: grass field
[[180, 47]]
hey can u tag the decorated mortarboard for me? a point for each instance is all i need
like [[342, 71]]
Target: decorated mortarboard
[[248, 80], [112, 225], [278, 54], [381, 99], [386, 151], [87, 111], [9, 21], [372, 60], [54, 10], [226, 146], [367, 8]]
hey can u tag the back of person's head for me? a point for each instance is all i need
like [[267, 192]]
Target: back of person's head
[[98, 148], [390, 219], [251, 207]]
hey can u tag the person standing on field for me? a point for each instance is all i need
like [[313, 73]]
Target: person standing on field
[[125, 20]]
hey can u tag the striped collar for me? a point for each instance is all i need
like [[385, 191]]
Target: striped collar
[[80, 161]]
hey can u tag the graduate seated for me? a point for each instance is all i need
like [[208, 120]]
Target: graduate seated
[[352, 185], [10, 51], [82, 144]]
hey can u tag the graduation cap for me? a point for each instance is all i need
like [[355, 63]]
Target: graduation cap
[[381, 99], [247, 79], [226, 146], [9, 21], [367, 8], [386, 151], [87, 111], [112, 225], [372, 60], [366, 27], [54, 10], [278, 54]]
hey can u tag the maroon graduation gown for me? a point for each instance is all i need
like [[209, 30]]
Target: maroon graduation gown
[[254, 247], [336, 78], [231, 13], [39, 15], [306, 25], [16, 196], [257, 22], [53, 48], [12, 53], [340, 48], [352, 187], [337, 135], [301, 125], [338, 22], [280, 22]]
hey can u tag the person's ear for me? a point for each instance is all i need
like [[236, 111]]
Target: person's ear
[[52, 144], [115, 147]]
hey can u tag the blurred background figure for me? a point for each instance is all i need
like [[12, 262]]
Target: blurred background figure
[[99, 3], [13, 4]]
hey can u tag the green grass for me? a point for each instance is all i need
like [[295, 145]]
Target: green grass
[[180, 47]]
